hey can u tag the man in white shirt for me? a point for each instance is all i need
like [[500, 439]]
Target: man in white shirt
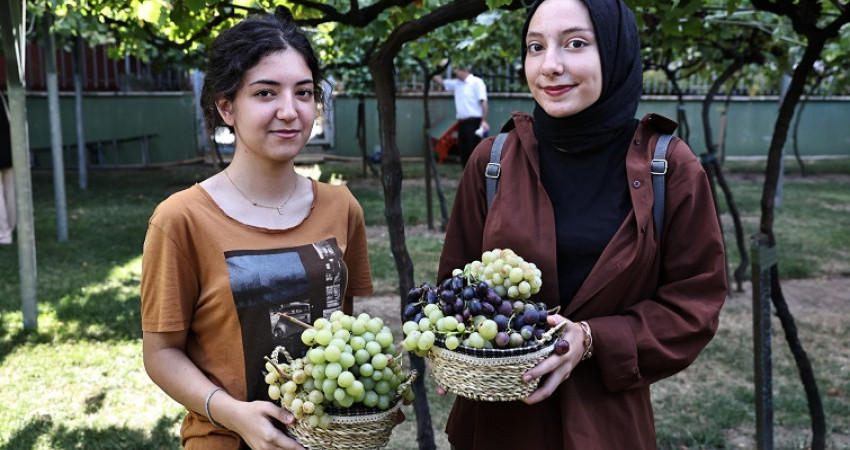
[[470, 109]]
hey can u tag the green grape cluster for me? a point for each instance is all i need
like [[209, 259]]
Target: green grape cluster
[[351, 362], [468, 310], [508, 273]]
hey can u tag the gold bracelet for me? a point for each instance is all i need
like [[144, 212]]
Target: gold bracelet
[[588, 341]]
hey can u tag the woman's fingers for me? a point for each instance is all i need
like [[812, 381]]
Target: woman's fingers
[[546, 387], [542, 368], [555, 319], [285, 416]]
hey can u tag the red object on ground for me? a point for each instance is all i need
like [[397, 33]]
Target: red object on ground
[[445, 142]]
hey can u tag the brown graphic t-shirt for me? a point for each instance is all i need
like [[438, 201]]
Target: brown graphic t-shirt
[[226, 282]]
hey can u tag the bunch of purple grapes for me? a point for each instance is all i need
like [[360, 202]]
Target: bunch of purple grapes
[[469, 312]]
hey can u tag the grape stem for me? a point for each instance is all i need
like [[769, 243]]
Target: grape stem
[[279, 372], [294, 320]]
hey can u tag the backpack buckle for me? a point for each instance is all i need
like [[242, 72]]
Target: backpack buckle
[[658, 167], [493, 170]]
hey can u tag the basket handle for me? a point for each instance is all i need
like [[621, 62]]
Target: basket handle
[[286, 354], [406, 384], [557, 328]]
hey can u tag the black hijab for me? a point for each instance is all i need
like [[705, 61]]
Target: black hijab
[[612, 118], [583, 156]]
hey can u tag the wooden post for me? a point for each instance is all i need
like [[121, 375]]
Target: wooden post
[[764, 257]]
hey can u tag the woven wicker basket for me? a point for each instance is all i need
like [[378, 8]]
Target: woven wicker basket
[[493, 375], [354, 432], [354, 429]]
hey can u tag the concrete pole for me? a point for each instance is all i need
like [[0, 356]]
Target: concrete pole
[[12, 20], [55, 132]]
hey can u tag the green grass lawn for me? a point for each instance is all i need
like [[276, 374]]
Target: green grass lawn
[[78, 382]]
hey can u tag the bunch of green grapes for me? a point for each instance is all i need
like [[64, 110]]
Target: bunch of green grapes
[[351, 362], [468, 311], [506, 272]]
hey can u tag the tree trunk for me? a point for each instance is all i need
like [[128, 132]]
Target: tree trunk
[[79, 74], [430, 163], [55, 131], [772, 173], [361, 136], [715, 173], [681, 117], [794, 140], [381, 68], [12, 14], [721, 144], [391, 177], [798, 116]]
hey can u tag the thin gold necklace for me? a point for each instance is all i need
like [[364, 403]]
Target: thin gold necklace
[[260, 205]]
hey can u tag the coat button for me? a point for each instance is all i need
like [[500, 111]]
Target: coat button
[[637, 184]]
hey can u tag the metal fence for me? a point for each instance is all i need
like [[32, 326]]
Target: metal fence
[[128, 74], [100, 72], [508, 79]]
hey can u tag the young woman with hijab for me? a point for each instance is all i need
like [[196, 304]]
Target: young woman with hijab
[[575, 178], [225, 256]]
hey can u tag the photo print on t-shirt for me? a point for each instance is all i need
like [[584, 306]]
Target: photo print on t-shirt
[[304, 282]]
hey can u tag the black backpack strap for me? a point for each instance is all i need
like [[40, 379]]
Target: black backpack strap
[[658, 169], [494, 167]]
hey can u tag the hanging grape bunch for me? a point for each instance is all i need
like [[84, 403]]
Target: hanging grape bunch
[[352, 362], [485, 305]]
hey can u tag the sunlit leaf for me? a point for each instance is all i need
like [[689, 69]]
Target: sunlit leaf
[[149, 11]]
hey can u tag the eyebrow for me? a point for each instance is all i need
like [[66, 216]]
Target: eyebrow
[[277, 83], [564, 31]]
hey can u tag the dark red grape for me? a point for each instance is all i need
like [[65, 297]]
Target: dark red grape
[[493, 298], [543, 315], [467, 292], [530, 316], [457, 283], [414, 295], [448, 309], [538, 333], [475, 307], [562, 346], [487, 309], [502, 339], [430, 296], [447, 296], [459, 304], [410, 310], [501, 322], [446, 284], [505, 308], [517, 322]]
